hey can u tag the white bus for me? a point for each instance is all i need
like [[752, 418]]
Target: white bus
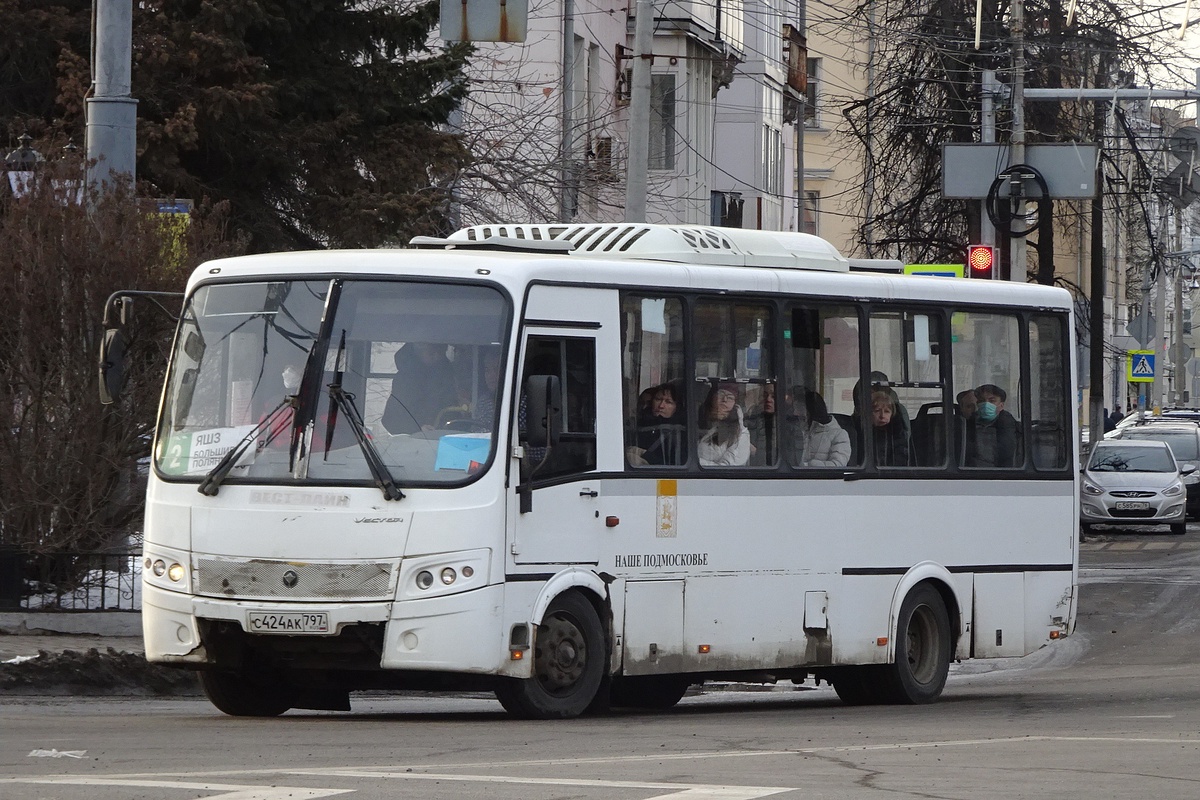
[[592, 465]]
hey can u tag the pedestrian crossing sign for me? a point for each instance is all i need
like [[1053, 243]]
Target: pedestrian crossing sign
[[1139, 366]]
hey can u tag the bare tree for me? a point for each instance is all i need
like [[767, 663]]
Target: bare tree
[[69, 466], [928, 93]]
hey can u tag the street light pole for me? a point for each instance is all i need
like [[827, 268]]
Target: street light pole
[[111, 111]]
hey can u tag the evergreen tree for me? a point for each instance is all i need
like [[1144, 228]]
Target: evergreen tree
[[319, 121]]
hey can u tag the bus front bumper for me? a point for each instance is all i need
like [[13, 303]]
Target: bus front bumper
[[454, 633]]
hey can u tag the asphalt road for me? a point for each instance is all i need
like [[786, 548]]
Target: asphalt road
[[1113, 711]]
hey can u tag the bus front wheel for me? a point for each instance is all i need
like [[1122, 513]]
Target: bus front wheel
[[235, 695], [922, 663], [568, 664]]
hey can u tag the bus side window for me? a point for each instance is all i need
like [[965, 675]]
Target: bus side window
[[819, 351], [654, 393], [573, 360], [987, 384], [735, 375], [906, 377], [1049, 394]]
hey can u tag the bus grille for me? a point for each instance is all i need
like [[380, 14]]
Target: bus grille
[[284, 580]]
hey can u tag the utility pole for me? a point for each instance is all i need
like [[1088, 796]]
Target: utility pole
[[1180, 361], [566, 175], [989, 90], [1096, 323], [638, 162], [111, 111], [801, 199], [1017, 258]]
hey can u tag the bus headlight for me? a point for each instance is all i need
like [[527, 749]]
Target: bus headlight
[[167, 570], [442, 574]]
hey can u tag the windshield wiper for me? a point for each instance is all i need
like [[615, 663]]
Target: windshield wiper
[[345, 402], [212, 481], [310, 386]]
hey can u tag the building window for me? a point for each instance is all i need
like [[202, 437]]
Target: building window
[[812, 210], [811, 120], [662, 122], [772, 160]]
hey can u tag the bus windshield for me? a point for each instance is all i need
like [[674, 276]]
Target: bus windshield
[[295, 374]]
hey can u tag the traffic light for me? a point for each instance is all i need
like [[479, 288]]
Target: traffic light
[[980, 259]]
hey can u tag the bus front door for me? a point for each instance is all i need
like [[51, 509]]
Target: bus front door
[[562, 523]]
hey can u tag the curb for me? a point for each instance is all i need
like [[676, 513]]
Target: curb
[[96, 623]]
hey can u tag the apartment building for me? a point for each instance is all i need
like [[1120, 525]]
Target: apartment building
[[726, 85]]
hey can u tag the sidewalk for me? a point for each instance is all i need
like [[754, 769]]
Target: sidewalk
[[24, 633]]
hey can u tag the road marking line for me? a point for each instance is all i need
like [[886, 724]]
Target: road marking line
[[677, 790], [390, 770], [1146, 716], [229, 791]]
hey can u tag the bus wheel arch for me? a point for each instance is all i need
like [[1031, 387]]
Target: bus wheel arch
[[942, 581], [573, 578]]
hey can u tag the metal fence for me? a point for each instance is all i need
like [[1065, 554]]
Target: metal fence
[[70, 581]]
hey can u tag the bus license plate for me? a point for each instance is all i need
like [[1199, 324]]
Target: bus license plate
[[1131, 505], [288, 622]]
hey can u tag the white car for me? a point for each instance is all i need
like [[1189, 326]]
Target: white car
[[1129, 482], [1184, 440]]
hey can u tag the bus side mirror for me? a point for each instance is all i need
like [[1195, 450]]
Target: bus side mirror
[[112, 364], [543, 410]]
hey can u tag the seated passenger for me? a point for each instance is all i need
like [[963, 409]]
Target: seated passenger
[[793, 434], [890, 436], [424, 386], [967, 403], [827, 443], [760, 421], [992, 434], [724, 438], [660, 429], [879, 380]]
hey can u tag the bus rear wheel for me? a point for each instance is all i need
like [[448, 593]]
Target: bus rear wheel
[[861, 685], [234, 694], [922, 663], [568, 664], [648, 691]]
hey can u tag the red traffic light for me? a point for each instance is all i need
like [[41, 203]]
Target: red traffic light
[[981, 258]]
